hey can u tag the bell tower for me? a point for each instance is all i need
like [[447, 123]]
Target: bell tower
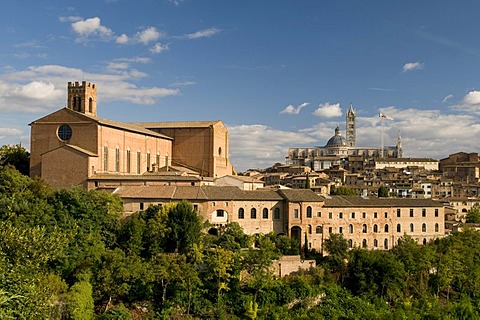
[[350, 127], [82, 97]]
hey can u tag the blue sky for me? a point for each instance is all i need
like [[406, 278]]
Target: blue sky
[[278, 73]]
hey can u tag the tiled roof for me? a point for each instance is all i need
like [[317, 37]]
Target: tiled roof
[[175, 124], [356, 201], [300, 195]]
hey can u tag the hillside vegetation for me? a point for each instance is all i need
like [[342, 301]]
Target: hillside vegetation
[[66, 254]]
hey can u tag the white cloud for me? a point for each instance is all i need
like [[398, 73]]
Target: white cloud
[[328, 110], [205, 33], [260, 146], [447, 98], [148, 35], [9, 132], [183, 84], [42, 89], [176, 2], [411, 66], [122, 39], [91, 27], [470, 103], [70, 19], [159, 48], [290, 109]]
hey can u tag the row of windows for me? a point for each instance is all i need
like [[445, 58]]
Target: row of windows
[[253, 213], [129, 160], [364, 215], [375, 229]]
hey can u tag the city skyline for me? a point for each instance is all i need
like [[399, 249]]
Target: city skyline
[[278, 74]]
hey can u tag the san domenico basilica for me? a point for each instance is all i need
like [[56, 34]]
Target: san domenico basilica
[[149, 163]]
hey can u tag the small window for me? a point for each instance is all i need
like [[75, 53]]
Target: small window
[[340, 229], [424, 241], [399, 228], [319, 214], [364, 228], [411, 213], [424, 213], [253, 213], [436, 227], [375, 215], [375, 243], [385, 243], [375, 228], [350, 228], [386, 214], [353, 215], [241, 213], [319, 229], [330, 229], [265, 213], [386, 228], [330, 215], [424, 227], [436, 212], [364, 215], [309, 212], [220, 213], [340, 215], [276, 213], [141, 205], [364, 243], [195, 207], [412, 228], [399, 213], [295, 213], [117, 160], [350, 243]]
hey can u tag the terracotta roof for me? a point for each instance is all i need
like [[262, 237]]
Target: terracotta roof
[[300, 195], [176, 124], [356, 201], [153, 176]]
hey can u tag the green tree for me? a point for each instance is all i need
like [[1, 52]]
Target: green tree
[[17, 156], [344, 191], [80, 304], [383, 192], [473, 215]]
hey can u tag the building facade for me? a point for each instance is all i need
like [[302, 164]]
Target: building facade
[[74, 147]]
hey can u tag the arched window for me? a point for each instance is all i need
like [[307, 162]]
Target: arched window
[[399, 228], [319, 229], [424, 241], [340, 215], [375, 243], [241, 213], [375, 228], [386, 228], [436, 227], [277, 213], [90, 105], [309, 212], [309, 229], [364, 228], [364, 243], [411, 227], [385, 243], [253, 213], [265, 213], [424, 227], [350, 243], [350, 228]]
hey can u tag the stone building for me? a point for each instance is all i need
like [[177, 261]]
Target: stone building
[[74, 147], [375, 223]]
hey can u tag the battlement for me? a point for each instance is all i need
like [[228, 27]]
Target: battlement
[[79, 85]]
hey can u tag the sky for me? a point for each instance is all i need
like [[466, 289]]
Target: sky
[[278, 73]]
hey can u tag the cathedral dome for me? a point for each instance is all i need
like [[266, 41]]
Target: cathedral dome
[[337, 140]]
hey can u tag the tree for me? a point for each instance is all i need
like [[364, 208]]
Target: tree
[[183, 228], [473, 215], [344, 191], [17, 156], [383, 192]]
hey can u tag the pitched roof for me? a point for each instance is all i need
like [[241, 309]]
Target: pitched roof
[[176, 124], [356, 201], [300, 195]]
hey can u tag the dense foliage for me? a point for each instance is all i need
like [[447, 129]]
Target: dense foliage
[[67, 254]]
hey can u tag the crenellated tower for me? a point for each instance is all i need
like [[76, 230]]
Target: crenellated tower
[[350, 127], [399, 146], [82, 97]]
